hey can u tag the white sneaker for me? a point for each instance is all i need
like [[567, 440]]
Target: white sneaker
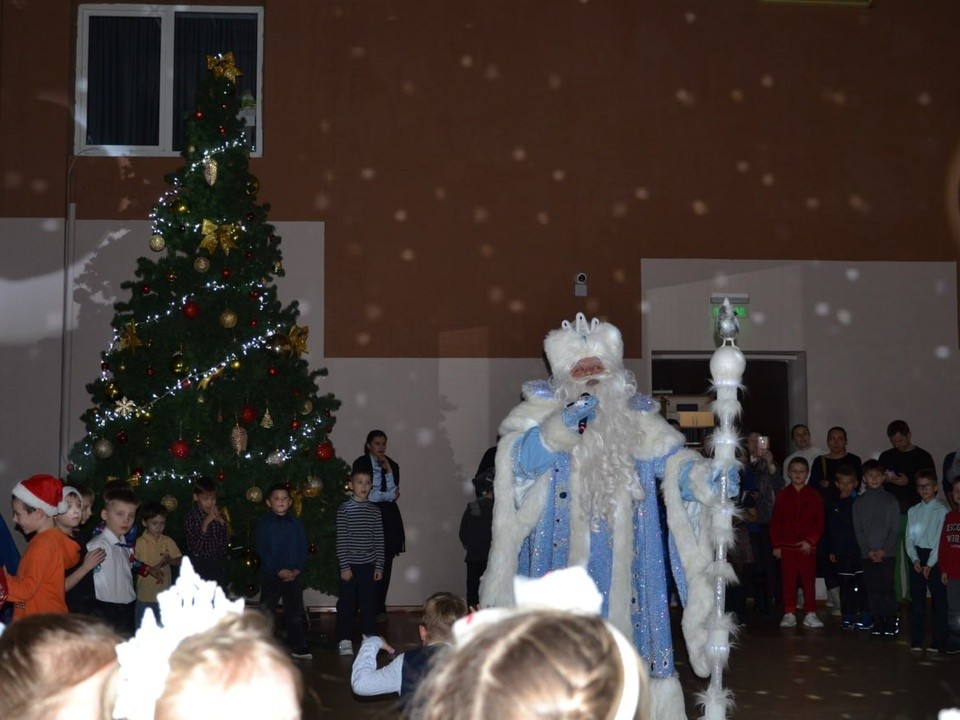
[[789, 620], [812, 621], [345, 647]]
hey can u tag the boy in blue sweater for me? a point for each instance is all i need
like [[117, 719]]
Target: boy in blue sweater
[[282, 546]]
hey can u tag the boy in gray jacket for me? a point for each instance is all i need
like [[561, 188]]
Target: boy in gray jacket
[[876, 522]]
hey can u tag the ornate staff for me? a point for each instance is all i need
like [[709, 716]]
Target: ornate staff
[[726, 367]]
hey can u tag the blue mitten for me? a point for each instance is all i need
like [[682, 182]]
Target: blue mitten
[[581, 411]]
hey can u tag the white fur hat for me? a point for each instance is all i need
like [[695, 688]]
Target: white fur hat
[[43, 492], [68, 490], [573, 342]]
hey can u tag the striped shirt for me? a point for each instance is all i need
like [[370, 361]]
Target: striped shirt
[[359, 535]]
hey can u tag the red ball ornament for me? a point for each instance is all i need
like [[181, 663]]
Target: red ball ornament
[[69, 469], [254, 295], [180, 449], [225, 273], [198, 114], [223, 130], [146, 289], [104, 366], [251, 217], [149, 372], [185, 383], [273, 238], [122, 437], [191, 309], [248, 414], [294, 424], [253, 322], [312, 549], [248, 255], [221, 476], [325, 451], [272, 371]]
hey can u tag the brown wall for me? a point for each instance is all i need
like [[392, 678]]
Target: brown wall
[[469, 158]]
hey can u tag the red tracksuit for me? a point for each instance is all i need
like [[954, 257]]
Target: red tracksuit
[[797, 516]]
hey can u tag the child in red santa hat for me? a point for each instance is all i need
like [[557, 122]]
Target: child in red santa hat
[[38, 586]]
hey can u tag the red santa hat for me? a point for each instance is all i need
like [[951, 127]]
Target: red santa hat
[[43, 492]]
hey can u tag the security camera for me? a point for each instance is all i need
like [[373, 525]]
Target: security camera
[[581, 278]]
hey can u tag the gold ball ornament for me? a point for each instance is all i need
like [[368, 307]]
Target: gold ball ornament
[[254, 495], [112, 391], [157, 243], [279, 344], [178, 365], [201, 264], [171, 277], [103, 448], [236, 364], [228, 319], [169, 502], [144, 415], [250, 560], [181, 207], [307, 407]]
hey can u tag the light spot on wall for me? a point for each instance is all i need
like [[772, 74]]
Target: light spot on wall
[[412, 574], [466, 61], [12, 179], [357, 52], [400, 215], [852, 273], [495, 294], [645, 307], [519, 154], [374, 311], [833, 97], [940, 287], [736, 95], [721, 281], [408, 88], [407, 255], [641, 193], [767, 179], [822, 309], [325, 125], [516, 306], [39, 185], [767, 81], [49, 225], [942, 352], [363, 339], [559, 175], [742, 166], [620, 275], [685, 97], [487, 250], [361, 399], [857, 203], [924, 99], [543, 217], [480, 214], [554, 81], [690, 17], [619, 209], [812, 203], [354, 249], [440, 193], [491, 73], [844, 317], [424, 437], [699, 207], [368, 173]]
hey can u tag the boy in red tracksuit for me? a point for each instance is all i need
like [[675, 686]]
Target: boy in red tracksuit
[[795, 530]]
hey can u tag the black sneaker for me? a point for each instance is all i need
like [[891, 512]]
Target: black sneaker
[[302, 654]]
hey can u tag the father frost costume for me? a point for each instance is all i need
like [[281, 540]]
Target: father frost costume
[[576, 484]]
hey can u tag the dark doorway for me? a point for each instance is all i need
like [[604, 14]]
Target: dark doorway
[[765, 402]]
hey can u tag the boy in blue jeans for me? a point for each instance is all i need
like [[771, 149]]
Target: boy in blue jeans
[[282, 546]]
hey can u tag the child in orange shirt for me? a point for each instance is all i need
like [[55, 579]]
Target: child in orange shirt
[[38, 586]]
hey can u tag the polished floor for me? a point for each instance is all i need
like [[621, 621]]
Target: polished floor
[[774, 673]]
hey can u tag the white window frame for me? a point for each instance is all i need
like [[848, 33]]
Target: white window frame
[[166, 13]]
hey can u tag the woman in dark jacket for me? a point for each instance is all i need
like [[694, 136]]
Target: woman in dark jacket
[[385, 493]]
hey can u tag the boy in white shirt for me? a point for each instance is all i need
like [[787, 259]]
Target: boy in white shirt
[[922, 543], [405, 672]]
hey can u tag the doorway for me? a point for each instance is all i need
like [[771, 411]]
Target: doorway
[[774, 399]]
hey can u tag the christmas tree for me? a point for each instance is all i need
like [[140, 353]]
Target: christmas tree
[[205, 374]]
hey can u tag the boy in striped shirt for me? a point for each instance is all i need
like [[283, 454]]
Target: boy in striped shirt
[[360, 555]]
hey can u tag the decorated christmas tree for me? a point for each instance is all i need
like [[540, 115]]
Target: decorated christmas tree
[[205, 375]]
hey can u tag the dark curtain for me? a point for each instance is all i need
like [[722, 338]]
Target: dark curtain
[[123, 81], [197, 35]]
